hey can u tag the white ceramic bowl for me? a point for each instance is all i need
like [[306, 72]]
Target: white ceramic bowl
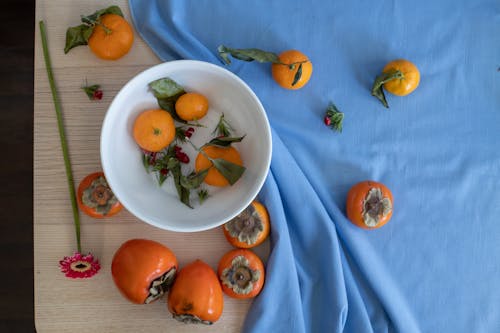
[[139, 191]]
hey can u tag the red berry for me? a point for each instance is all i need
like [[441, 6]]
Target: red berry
[[97, 95], [152, 159], [177, 149], [164, 171], [182, 157], [328, 121], [189, 132]]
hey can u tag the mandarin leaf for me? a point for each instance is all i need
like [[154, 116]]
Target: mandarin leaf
[[246, 55], [232, 172], [377, 88]]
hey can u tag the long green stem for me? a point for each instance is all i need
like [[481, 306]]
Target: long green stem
[[62, 136]]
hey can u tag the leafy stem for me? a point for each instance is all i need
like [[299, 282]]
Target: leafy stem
[[260, 56], [223, 128], [377, 88], [334, 118], [62, 136]]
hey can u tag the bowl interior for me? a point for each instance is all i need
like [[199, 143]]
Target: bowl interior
[[139, 191]]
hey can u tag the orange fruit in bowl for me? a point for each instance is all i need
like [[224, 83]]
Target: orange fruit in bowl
[[214, 177], [112, 38], [285, 73], [191, 106], [154, 130]]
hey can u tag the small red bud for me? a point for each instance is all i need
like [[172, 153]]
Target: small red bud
[[97, 95], [327, 121]]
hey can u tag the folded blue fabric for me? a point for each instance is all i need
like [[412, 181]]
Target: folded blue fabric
[[435, 266]]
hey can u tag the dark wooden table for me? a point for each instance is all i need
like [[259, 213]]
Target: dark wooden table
[[16, 192]]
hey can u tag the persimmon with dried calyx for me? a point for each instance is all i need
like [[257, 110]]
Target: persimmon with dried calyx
[[95, 198], [369, 204], [400, 77], [108, 35], [143, 270], [291, 69], [249, 228], [241, 273], [196, 295]]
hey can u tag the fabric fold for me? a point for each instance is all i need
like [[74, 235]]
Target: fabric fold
[[432, 268]]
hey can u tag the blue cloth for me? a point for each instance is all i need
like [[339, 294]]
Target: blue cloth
[[435, 266]]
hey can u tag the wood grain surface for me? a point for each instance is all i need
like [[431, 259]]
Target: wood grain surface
[[66, 305]]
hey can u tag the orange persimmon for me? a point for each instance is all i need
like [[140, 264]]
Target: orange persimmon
[[241, 273], [196, 295], [250, 228], [95, 198], [369, 204], [143, 270]]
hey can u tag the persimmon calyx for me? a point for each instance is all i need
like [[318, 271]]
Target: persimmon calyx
[[246, 226], [375, 207], [240, 277], [191, 319], [99, 196], [160, 286]]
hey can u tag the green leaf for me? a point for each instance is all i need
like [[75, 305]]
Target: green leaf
[[93, 18], [162, 178], [145, 161], [232, 172], [377, 88], [194, 180], [90, 90], [246, 55], [182, 192], [167, 91], [298, 75], [76, 36], [223, 128], [224, 141], [166, 88], [168, 104], [172, 163], [202, 195]]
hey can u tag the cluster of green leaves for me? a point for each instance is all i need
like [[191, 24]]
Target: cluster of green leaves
[[80, 34], [167, 91], [336, 117], [257, 55], [165, 164]]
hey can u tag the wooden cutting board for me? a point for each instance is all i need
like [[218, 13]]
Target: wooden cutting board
[[95, 305]]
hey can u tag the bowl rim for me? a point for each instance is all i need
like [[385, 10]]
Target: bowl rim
[[267, 129]]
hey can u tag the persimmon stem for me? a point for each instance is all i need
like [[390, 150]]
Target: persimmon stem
[[62, 136]]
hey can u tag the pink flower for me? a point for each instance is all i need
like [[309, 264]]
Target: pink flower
[[79, 266]]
